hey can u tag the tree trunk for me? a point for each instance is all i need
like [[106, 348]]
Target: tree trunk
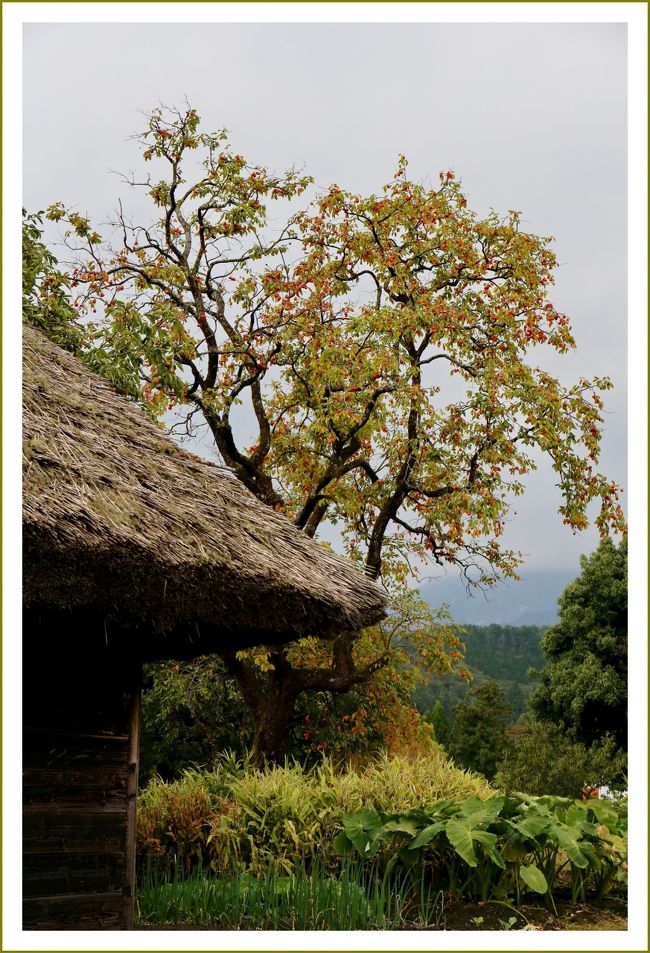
[[271, 696], [271, 700], [271, 725]]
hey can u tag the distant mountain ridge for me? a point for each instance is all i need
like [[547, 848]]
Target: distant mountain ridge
[[531, 601]]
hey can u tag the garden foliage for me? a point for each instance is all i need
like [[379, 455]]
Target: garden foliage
[[425, 821], [543, 759], [497, 848], [237, 819]]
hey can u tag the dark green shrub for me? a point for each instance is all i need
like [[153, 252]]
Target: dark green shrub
[[191, 712], [544, 760]]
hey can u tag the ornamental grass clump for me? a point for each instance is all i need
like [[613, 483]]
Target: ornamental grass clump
[[401, 783], [174, 817], [276, 819], [238, 819]]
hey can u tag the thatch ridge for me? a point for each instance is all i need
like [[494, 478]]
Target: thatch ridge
[[118, 519]]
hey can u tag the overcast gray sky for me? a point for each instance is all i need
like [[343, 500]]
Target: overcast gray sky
[[531, 116]]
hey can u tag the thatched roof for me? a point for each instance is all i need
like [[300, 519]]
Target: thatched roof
[[119, 521]]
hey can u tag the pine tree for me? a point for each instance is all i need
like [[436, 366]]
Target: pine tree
[[478, 736]]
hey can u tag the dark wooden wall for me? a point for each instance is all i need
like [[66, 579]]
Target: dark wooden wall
[[80, 716]]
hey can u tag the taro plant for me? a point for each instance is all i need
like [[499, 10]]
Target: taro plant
[[498, 847], [558, 833]]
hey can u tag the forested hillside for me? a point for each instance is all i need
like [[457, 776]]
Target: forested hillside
[[500, 653]]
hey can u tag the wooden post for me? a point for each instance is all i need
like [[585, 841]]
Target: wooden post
[[132, 797]]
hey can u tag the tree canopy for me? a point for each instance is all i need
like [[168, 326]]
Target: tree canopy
[[583, 688], [46, 289], [478, 738], [543, 759], [383, 346]]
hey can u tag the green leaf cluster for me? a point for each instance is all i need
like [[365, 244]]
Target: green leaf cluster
[[191, 712], [46, 302], [496, 848]]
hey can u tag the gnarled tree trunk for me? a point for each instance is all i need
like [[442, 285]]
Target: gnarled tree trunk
[[271, 696]]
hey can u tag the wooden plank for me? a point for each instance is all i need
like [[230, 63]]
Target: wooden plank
[[64, 733], [50, 874], [71, 770], [75, 912], [74, 832], [58, 749], [52, 808], [101, 795], [43, 776]]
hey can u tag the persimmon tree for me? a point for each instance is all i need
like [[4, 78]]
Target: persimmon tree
[[384, 346]]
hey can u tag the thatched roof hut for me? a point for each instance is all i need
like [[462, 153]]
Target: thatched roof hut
[[132, 550], [119, 520]]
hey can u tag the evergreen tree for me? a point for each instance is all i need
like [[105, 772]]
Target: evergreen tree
[[478, 737], [440, 723], [583, 689]]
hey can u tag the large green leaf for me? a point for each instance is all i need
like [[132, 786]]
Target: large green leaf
[[495, 857], [533, 877], [567, 840], [575, 855], [365, 817], [444, 808], [460, 837], [485, 838], [342, 844], [402, 824], [604, 813], [426, 836], [575, 814], [363, 830], [477, 811], [576, 817], [533, 825]]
